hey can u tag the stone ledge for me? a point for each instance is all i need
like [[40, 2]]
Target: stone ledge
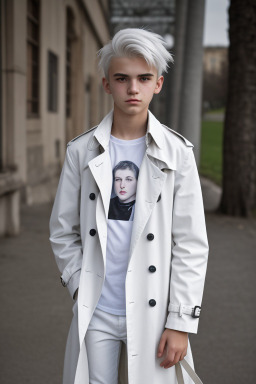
[[9, 182]]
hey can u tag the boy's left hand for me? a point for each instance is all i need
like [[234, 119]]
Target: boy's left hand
[[175, 344]]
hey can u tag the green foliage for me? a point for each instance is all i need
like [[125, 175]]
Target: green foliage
[[211, 150]]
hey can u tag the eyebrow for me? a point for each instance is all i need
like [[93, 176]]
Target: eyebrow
[[124, 75]]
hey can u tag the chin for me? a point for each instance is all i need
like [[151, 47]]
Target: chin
[[133, 111]]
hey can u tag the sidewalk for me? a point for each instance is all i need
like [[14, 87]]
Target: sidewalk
[[36, 310]]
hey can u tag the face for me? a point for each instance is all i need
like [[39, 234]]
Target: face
[[125, 184], [132, 84]]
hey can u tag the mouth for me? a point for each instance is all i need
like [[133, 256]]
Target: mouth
[[122, 192], [133, 101]]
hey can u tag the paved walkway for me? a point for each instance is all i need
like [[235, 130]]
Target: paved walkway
[[36, 309]]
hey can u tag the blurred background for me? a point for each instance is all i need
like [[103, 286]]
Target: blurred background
[[50, 92]]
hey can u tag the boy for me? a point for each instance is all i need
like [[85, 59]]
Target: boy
[[138, 282]]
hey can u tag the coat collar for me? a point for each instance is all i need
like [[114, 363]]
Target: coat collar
[[155, 140]]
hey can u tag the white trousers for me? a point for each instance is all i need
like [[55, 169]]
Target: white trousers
[[104, 338], [103, 341]]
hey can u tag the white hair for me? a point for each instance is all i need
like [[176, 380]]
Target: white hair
[[136, 42]]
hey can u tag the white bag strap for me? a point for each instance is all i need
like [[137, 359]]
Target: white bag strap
[[189, 370]]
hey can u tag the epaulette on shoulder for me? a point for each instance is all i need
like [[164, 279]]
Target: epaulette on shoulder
[[82, 134], [187, 142]]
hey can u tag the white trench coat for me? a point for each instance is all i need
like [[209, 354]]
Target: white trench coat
[[169, 206]]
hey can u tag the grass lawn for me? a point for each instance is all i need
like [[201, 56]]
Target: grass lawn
[[211, 150]]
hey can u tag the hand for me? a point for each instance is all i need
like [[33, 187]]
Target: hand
[[174, 344]]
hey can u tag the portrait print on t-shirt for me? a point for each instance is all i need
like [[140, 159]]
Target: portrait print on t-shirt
[[125, 178]]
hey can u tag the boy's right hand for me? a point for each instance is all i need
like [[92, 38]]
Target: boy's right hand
[[174, 345]]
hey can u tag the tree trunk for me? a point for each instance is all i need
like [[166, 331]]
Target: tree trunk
[[239, 149]]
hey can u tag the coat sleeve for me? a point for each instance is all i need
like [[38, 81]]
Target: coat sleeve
[[65, 236], [190, 247]]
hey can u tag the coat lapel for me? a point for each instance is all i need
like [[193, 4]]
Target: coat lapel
[[150, 183], [100, 166], [151, 177], [101, 170]]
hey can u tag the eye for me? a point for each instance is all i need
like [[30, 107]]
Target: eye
[[117, 179], [144, 79], [129, 178], [121, 79]]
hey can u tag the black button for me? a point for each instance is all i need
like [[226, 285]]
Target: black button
[[152, 268], [92, 232], [159, 198], [152, 302], [92, 196], [150, 236]]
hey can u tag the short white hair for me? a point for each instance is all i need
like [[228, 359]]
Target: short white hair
[[136, 42]]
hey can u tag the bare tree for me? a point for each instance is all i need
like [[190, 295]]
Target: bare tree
[[239, 154]]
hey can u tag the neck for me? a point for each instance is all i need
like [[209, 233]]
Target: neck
[[129, 127]]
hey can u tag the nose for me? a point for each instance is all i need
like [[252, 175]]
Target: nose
[[133, 87], [122, 185]]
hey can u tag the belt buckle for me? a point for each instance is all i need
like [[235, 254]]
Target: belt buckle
[[196, 312]]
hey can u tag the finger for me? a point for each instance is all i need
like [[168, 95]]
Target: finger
[[184, 353], [161, 346], [174, 361], [168, 360]]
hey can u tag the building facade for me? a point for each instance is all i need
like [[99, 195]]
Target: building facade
[[215, 77], [50, 92], [215, 59]]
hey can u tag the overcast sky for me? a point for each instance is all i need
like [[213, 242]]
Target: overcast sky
[[216, 22]]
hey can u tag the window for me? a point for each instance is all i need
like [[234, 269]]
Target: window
[[33, 45], [213, 63], [52, 82], [69, 38]]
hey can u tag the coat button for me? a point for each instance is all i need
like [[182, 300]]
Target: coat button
[[92, 232], [152, 268], [152, 302], [92, 196], [150, 236], [159, 198]]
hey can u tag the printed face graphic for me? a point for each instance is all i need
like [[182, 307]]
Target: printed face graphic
[[125, 184]]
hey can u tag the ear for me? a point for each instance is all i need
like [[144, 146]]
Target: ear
[[159, 84], [106, 86]]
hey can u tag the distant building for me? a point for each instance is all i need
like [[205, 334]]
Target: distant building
[[215, 70], [50, 92], [157, 16], [215, 59]]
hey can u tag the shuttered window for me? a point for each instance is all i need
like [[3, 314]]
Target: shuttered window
[[52, 82], [69, 39], [33, 53]]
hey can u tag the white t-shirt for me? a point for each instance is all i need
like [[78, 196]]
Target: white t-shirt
[[126, 158]]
